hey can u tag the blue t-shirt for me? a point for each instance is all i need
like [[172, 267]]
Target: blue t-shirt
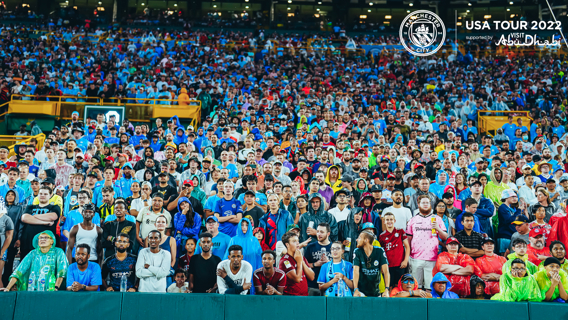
[[260, 199], [233, 171], [211, 203], [89, 277], [220, 243], [226, 208], [344, 267]]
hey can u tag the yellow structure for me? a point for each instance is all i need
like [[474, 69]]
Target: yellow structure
[[12, 141], [490, 121]]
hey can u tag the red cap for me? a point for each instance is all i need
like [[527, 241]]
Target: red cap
[[418, 165], [109, 158], [123, 155], [391, 176], [188, 181], [536, 232], [452, 240]]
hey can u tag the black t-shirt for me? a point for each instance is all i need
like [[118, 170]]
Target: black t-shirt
[[313, 253], [370, 270], [168, 192], [30, 230], [256, 213], [204, 272]]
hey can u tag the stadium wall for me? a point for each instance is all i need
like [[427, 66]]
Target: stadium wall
[[142, 306]]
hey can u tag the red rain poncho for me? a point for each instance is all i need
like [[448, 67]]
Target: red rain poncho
[[460, 284], [490, 264]]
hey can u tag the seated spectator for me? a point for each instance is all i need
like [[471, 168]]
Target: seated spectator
[[457, 267], [520, 247], [477, 289], [552, 281], [83, 275], [44, 244], [558, 251], [489, 267], [408, 288], [180, 285], [517, 284], [536, 250], [234, 276], [441, 286]]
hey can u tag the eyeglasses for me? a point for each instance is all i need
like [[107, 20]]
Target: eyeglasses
[[45, 238], [335, 249], [519, 269]]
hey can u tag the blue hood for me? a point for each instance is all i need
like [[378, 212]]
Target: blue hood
[[438, 188], [440, 277], [179, 139], [184, 199]]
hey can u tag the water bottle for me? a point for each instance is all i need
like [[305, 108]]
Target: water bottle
[[340, 288], [123, 283], [41, 280], [32, 282]]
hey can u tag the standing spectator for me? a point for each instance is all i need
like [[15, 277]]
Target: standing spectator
[[295, 265], [234, 276], [397, 248], [336, 276], [203, 266], [423, 232], [315, 215], [220, 241], [121, 263], [146, 219], [228, 211], [36, 219], [317, 254], [402, 215], [83, 275], [368, 265], [88, 233], [113, 228], [269, 280], [14, 213], [153, 265]]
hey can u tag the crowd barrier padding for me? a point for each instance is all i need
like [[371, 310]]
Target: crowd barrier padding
[[150, 306], [139, 306], [441, 309], [392, 308], [68, 305], [239, 307]]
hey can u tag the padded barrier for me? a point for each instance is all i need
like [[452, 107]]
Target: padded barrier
[[142, 306]]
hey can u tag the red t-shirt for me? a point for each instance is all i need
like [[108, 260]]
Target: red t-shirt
[[277, 280], [394, 248], [184, 262], [287, 264]]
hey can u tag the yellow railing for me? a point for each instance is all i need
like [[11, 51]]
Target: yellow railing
[[134, 110], [12, 141], [490, 120]]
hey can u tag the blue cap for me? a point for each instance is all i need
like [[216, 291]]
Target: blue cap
[[75, 112], [212, 217], [128, 164], [369, 225]]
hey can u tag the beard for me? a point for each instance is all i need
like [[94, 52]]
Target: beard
[[121, 250], [424, 212]]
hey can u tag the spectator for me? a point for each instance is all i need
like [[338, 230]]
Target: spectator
[[507, 215], [113, 228], [317, 254], [520, 247], [295, 265], [470, 240], [441, 286], [250, 248], [88, 233], [489, 267], [552, 281], [153, 265], [220, 241], [83, 275], [336, 276], [423, 232], [368, 265], [316, 214], [121, 263], [269, 280], [408, 288], [518, 284], [234, 276], [180, 285], [203, 266], [457, 267], [396, 246], [537, 250]]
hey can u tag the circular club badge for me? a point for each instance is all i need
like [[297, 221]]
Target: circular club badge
[[422, 33]]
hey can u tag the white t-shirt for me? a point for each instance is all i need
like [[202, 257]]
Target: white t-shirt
[[153, 279], [402, 216], [243, 276], [173, 288], [340, 215]]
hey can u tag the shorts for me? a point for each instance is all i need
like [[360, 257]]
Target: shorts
[[395, 274], [421, 270]]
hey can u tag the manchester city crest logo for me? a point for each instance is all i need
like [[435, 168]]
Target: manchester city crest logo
[[422, 33]]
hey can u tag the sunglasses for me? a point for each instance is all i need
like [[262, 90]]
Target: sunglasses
[[407, 281]]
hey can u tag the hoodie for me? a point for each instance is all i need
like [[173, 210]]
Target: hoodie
[[317, 217], [283, 220], [457, 203], [180, 138], [438, 187], [400, 287], [252, 250], [337, 185], [369, 215], [191, 231], [440, 277], [349, 229], [263, 245]]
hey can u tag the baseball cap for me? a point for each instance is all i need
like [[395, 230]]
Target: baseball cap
[[213, 218], [292, 227], [391, 176], [520, 219], [188, 181], [384, 158], [250, 193], [535, 232], [80, 154], [418, 165], [128, 164], [376, 188], [92, 174], [343, 191], [563, 178], [479, 160], [109, 158], [526, 166], [162, 174], [347, 179], [487, 239], [48, 180], [475, 182], [452, 240]]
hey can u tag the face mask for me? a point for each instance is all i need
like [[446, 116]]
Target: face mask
[[525, 137]]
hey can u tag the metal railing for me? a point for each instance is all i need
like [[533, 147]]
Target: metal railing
[[12, 141]]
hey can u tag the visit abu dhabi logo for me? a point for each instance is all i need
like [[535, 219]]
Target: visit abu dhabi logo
[[422, 33]]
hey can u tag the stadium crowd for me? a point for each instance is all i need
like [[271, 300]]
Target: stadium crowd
[[310, 174]]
